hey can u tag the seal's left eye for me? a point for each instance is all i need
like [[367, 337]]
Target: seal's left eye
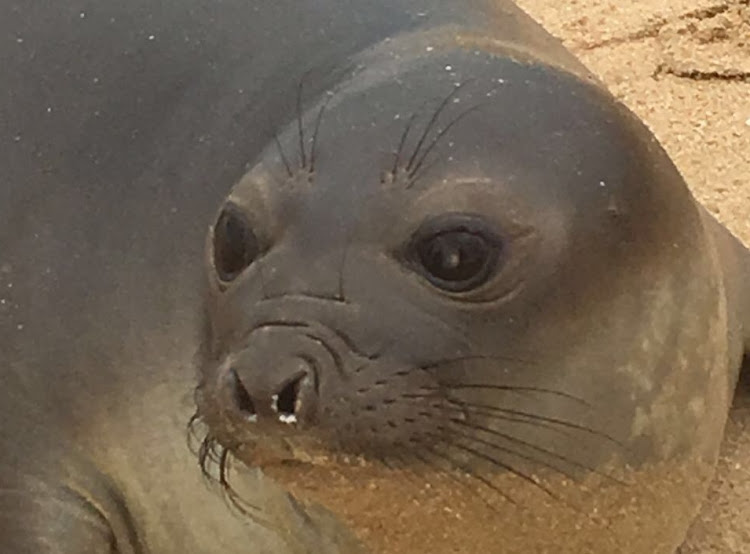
[[235, 243], [455, 254]]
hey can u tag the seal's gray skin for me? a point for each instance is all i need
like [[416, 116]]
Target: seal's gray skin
[[124, 125]]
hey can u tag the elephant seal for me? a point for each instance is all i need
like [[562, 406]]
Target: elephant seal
[[454, 296]]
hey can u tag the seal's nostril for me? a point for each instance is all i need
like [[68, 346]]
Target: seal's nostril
[[287, 401], [242, 398]]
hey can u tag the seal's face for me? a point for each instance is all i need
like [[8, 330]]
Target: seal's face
[[438, 279]]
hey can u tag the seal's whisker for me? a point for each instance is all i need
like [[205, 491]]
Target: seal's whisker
[[475, 357], [313, 147], [453, 468], [431, 124], [340, 294], [425, 170], [604, 523], [505, 466], [504, 417], [193, 436], [521, 442], [395, 462], [533, 480], [203, 450], [516, 453], [386, 461], [283, 157], [456, 465], [532, 446], [488, 410], [507, 388], [211, 453], [201, 444], [401, 143], [223, 469], [208, 453], [414, 170], [209, 456], [240, 504], [300, 126], [514, 388], [430, 465]]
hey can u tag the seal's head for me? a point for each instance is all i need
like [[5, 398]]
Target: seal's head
[[466, 262]]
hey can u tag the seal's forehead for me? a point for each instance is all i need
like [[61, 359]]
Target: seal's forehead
[[480, 113], [525, 133]]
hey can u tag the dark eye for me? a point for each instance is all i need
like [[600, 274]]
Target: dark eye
[[456, 254], [235, 244]]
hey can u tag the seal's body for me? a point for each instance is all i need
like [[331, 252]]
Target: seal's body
[[449, 255]]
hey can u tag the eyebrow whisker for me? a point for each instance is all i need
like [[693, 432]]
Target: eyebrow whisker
[[431, 123]]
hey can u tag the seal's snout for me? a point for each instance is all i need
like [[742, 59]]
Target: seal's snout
[[289, 398]]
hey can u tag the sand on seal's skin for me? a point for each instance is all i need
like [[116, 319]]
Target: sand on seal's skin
[[443, 513], [684, 67]]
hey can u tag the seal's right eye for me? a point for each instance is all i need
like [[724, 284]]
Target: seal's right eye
[[235, 243], [455, 252]]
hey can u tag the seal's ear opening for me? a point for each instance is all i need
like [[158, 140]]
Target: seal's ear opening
[[234, 244]]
